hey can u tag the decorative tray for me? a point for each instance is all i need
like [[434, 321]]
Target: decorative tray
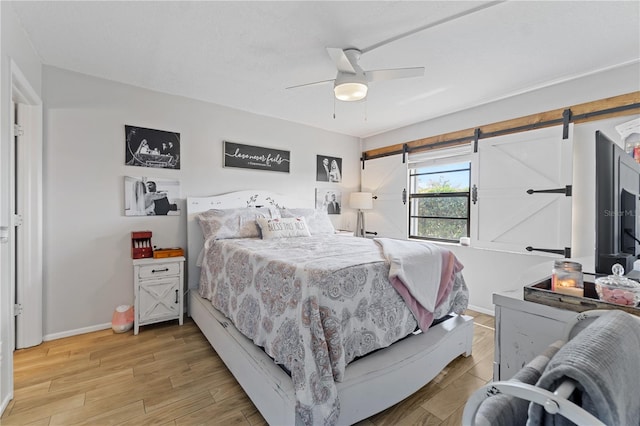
[[540, 292]]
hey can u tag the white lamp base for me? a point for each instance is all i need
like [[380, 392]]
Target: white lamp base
[[360, 232]]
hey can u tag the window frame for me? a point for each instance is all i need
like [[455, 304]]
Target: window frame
[[440, 159]]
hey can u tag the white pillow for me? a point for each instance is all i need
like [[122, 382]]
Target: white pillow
[[317, 220], [284, 227]]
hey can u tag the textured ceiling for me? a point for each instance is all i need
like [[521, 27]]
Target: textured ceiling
[[244, 54]]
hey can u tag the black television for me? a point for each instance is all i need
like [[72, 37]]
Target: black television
[[617, 192]]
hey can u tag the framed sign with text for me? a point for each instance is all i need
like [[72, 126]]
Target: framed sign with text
[[255, 157]]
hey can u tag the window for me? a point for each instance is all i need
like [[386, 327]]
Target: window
[[439, 201]]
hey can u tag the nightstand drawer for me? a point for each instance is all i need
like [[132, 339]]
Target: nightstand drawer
[[159, 270]]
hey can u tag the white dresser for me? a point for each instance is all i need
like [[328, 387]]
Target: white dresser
[[524, 330], [158, 290]]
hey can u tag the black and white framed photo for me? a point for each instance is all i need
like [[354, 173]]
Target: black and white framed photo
[[152, 148], [329, 200], [256, 157], [328, 169], [145, 196]]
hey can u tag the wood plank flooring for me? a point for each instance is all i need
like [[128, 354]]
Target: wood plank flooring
[[170, 375]]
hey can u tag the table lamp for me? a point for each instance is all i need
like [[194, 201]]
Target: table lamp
[[361, 201]]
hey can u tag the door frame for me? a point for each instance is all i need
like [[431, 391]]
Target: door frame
[[29, 252]]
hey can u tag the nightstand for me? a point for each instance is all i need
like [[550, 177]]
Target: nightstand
[[157, 285]]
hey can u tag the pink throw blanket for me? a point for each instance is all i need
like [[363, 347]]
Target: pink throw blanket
[[407, 288]]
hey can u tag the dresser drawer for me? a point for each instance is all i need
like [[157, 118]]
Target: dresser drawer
[[159, 270]]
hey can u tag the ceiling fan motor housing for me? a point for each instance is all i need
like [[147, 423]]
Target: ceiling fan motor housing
[[351, 86]]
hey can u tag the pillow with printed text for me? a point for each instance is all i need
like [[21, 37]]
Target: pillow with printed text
[[284, 227]]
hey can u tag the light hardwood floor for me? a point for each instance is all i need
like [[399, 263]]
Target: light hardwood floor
[[170, 375]]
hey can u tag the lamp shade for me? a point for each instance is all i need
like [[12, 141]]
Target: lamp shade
[[361, 200]]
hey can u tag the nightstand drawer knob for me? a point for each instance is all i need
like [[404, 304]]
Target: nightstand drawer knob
[[160, 270]]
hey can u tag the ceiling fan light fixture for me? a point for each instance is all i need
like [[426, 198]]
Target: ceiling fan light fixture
[[350, 91]]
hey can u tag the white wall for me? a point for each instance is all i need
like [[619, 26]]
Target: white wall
[[489, 271], [88, 270], [14, 46]]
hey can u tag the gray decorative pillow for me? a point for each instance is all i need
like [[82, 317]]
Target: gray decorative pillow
[[318, 221], [231, 223]]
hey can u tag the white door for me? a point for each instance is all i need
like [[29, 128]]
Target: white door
[[386, 178], [522, 195], [27, 210]]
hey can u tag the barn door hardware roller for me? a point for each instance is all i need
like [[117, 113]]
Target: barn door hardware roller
[[567, 117], [566, 252], [566, 191]]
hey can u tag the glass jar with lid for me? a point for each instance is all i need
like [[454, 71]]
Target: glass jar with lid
[[618, 289]]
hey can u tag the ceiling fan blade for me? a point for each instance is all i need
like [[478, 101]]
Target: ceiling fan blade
[[311, 84], [392, 74], [341, 60]]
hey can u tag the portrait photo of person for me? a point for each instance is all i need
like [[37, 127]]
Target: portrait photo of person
[[328, 169], [145, 196], [329, 200]]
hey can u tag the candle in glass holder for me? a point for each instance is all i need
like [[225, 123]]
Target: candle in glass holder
[[567, 278], [569, 287]]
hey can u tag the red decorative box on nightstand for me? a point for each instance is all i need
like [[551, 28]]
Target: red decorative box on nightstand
[[141, 244]]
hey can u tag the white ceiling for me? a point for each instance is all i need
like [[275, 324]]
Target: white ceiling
[[244, 54]]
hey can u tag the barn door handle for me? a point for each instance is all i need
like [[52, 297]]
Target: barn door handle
[[404, 196], [176, 296], [566, 191], [566, 252]]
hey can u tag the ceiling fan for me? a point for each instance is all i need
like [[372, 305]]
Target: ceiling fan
[[352, 82]]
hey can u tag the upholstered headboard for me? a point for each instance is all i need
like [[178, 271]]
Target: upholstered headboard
[[231, 200]]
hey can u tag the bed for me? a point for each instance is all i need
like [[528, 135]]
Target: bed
[[317, 378]]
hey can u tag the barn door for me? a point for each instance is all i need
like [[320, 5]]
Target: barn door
[[386, 178], [524, 192]]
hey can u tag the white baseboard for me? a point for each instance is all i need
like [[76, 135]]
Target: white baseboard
[[77, 331], [5, 402], [482, 310]]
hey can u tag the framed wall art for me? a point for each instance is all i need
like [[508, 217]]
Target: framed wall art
[[329, 200], [328, 169], [256, 157], [145, 196], [152, 148]]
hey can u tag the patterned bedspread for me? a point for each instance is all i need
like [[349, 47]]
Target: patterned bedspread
[[314, 304]]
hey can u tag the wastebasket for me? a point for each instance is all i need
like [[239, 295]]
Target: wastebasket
[[122, 320]]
